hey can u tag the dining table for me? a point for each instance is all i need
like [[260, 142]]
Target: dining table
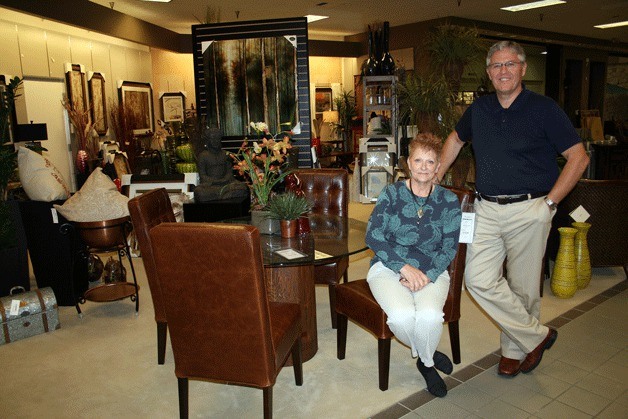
[[289, 264]]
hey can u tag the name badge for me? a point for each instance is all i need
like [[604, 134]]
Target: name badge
[[467, 227]]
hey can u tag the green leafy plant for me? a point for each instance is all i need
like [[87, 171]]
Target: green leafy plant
[[451, 49], [345, 105], [288, 206]]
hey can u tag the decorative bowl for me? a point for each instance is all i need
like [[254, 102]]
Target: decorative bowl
[[185, 152], [104, 234]]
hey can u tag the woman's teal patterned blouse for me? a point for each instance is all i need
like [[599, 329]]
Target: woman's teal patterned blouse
[[397, 237]]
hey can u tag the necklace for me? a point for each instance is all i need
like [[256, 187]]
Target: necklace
[[420, 212]]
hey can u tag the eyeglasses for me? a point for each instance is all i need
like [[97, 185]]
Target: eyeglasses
[[497, 66]]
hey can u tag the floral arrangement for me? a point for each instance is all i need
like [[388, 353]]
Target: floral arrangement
[[262, 163]]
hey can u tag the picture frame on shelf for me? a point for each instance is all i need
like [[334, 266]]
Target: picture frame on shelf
[[323, 100], [76, 85], [138, 97], [172, 106], [97, 101]]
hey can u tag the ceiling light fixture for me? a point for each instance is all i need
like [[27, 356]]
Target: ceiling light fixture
[[532, 5], [158, 1], [314, 18], [612, 25]]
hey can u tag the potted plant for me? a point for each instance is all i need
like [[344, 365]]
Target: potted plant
[[345, 105], [287, 208]]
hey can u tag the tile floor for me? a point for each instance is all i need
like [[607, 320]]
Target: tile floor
[[584, 374]]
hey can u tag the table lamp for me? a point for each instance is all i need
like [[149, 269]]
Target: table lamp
[[32, 133], [331, 117]]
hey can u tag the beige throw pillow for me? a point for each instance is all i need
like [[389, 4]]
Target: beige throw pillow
[[97, 200], [39, 177]]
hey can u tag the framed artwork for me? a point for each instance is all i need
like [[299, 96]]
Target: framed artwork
[[97, 101], [138, 97], [254, 71], [323, 100], [75, 85], [173, 107]]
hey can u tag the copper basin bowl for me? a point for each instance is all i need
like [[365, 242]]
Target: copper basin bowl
[[104, 234]]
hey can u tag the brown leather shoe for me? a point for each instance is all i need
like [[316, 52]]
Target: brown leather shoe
[[533, 358], [508, 366]]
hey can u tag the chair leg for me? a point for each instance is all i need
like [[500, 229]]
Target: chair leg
[[345, 277], [268, 402], [341, 339], [297, 363], [183, 398], [162, 333], [454, 338], [332, 305], [383, 359]]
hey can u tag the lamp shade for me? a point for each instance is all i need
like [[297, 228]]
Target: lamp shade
[[330, 117], [31, 132]]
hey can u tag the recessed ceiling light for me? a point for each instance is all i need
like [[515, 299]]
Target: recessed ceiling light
[[612, 25], [314, 18], [532, 5], [159, 1]]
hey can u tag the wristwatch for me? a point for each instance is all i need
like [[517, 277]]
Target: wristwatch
[[550, 203]]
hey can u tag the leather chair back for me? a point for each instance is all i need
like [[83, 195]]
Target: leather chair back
[[216, 304], [148, 210], [326, 189]]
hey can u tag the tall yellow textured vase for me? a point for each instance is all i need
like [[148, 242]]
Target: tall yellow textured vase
[[583, 262], [564, 274]]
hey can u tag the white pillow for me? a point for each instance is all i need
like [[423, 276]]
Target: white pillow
[[40, 178], [97, 200]]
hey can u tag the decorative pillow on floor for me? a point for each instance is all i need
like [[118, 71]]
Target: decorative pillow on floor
[[97, 200], [40, 178]]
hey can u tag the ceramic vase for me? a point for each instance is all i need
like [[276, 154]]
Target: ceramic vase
[[371, 67], [288, 228], [564, 273], [583, 262], [263, 222]]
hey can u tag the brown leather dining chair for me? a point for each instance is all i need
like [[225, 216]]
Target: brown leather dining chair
[[148, 210], [328, 192], [222, 326], [355, 301]]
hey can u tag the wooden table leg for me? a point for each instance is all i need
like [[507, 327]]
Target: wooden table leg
[[295, 284]]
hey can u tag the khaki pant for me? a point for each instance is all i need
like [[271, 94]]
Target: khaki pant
[[517, 232]]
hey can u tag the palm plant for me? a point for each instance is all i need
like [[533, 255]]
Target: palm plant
[[345, 105]]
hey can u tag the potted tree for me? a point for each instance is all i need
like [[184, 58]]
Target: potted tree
[[429, 101], [287, 208]]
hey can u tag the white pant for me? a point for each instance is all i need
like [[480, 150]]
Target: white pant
[[517, 232], [416, 318]]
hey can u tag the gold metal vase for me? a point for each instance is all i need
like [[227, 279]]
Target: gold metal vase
[[564, 274], [583, 261]]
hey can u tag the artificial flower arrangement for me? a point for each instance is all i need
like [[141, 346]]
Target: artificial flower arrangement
[[262, 163]]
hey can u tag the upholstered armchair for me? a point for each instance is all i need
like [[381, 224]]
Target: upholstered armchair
[[148, 210], [222, 326], [328, 192]]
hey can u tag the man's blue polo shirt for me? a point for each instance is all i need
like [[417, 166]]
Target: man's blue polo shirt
[[516, 148]]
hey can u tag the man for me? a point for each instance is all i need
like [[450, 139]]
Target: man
[[516, 135]]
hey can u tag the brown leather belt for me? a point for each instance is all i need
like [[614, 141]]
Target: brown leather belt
[[510, 199]]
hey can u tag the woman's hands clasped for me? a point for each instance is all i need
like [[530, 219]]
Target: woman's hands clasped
[[412, 278]]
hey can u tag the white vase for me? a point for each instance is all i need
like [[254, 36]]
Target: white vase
[[263, 222]]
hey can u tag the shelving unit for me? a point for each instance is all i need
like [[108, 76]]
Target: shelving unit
[[378, 147]]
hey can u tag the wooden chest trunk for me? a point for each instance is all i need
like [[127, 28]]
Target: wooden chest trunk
[[37, 313]]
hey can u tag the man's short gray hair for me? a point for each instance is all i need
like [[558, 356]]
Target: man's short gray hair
[[502, 45]]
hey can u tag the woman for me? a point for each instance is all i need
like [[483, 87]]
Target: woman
[[413, 232]]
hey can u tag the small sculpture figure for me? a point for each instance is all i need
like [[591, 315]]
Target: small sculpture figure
[[216, 171]]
